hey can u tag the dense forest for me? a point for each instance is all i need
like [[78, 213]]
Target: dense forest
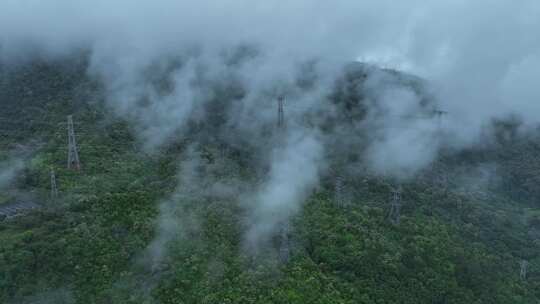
[[129, 227]]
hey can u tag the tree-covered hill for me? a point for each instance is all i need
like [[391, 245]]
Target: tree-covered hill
[[121, 231]]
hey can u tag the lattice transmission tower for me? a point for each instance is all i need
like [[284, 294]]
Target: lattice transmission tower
[[54, 188], [340, 190], [439, 177], [395, 206], [524, 267], [281, 114], [285, 244], [73, 153]]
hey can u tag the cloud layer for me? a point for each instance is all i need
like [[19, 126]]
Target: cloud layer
[[165, 64]]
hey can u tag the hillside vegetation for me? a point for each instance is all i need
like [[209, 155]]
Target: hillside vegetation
[[458, 240]]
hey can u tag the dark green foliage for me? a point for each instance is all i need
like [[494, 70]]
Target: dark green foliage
[[91, 245]]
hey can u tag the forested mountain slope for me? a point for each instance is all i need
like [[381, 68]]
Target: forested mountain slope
[[133, 227]]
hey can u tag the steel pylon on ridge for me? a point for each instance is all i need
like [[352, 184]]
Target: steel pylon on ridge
[[339, 186], [73, 153], [524, 266], [395, 206], [284, 248], [54, 188], [281, 114]]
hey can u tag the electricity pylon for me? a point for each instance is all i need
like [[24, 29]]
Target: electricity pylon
[[339, 190], [439, 114], [281, 115], [73, 154], [440, 178], [54, 188], [395, 206], [223, 150], [284, 249], [524, 265]]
